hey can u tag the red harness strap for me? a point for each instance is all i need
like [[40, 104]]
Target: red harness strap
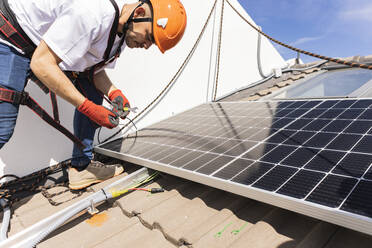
[[12, 32], [23, 98]]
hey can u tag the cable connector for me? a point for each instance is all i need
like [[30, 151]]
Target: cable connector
[[156, 190]]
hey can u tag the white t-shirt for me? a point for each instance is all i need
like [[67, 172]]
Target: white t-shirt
[[76, 30]]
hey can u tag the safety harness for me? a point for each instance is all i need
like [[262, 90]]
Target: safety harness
[[13, 33]]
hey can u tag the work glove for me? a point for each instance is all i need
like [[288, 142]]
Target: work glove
[[99, 114], [120, 103]]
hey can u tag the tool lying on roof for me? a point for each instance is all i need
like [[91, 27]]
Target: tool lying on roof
[[34, 234]]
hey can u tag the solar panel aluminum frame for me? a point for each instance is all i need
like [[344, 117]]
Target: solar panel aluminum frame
[[332, 215]]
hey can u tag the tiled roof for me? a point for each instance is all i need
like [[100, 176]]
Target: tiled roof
[[287, 79]]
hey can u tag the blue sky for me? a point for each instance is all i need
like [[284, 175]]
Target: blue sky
[[335, 28]]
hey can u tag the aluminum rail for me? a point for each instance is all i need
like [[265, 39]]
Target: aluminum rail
[[32, 235], [6, 219]]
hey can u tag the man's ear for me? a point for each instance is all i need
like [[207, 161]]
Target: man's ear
[[139, 12]]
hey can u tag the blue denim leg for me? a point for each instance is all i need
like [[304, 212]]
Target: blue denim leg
[[84, 128], [14, 71]]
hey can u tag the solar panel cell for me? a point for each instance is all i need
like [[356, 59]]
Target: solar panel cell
[[257, 152], [364, 145], [252, 173], [362, 104], [310, 104], [186, 158], [368, 175], [298, 124], [284, 104], [320, 140], [233, 169], [299, 138], [277, 154], [360, 200], [200, 161], [214, 165], [337, 126], [315, 113], [367, 115], [240, 148], [332, 191], [165, 152], [281, 122], [344, 104], [225, 146], [359, 127], [280, 136], [174, 156], [205, 144], [246, 134], [327, 104], [301, 184], [344, 142], [325, 160], [298, 104], [351, 114], [353, 165], [316, 125], [300, 157], [275, 178], [283, 113], [141, 148], [331, 113], [262, 134], [297, 113]]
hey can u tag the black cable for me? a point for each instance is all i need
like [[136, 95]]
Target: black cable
[[111, 137]]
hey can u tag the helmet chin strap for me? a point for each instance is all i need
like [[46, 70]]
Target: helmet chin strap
[[131, 19]]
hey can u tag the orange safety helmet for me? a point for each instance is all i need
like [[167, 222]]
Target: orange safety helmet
[[169, 23]]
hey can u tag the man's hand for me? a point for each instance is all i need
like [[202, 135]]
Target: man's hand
[[120, 102], [99, 114]]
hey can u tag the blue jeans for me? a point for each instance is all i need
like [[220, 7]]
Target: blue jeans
[[14, 71], [84, 128]]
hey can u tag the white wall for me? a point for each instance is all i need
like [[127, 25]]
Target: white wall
[[143, 74]]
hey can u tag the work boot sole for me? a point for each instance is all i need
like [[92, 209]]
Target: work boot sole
[[83, 185]]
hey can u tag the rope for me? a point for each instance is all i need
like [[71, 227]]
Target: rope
[[173, 78], [219, 50], [338, 61]]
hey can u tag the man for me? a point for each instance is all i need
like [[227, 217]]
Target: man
[[81, 36]]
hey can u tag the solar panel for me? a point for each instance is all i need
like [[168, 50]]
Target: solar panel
[[313, 157]]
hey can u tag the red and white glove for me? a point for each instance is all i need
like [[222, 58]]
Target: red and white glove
[[99, 114], [120, 103]]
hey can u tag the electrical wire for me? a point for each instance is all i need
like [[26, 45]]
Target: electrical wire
[[123, 125]]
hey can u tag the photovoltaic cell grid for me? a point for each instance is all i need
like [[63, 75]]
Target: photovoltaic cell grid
[[313, 151]]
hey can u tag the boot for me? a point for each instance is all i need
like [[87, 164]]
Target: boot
[[95, 172]]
